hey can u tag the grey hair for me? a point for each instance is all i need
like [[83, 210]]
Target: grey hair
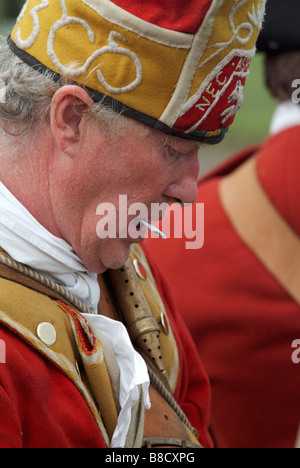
[[26, 97]]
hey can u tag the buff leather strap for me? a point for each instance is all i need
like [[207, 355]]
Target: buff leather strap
[[261, 227]]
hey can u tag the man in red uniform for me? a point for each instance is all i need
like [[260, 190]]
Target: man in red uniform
[[104, 101], [239, 294]]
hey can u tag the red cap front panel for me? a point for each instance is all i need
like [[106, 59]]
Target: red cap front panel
[[177, 15]]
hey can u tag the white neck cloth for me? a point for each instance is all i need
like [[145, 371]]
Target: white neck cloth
[[28, 242]]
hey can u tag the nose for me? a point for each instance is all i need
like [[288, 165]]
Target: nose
[[185, 187]]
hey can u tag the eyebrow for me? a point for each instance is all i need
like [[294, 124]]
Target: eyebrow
[[173, 143]]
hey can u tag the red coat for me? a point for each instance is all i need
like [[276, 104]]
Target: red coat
[[242, 320], [41, 408]]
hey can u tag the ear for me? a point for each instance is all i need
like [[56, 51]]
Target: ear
[[68, 106]]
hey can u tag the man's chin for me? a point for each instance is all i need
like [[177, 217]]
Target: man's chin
[[112, 256], [115, 257]]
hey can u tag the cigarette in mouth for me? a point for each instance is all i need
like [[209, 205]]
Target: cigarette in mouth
[[153, 229]]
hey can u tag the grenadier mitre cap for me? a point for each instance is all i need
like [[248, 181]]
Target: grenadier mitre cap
[[179, 66]]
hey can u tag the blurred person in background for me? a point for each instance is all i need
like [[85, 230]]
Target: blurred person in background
[[240, 294]]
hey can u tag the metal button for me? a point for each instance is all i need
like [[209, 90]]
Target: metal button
[[47, 333]]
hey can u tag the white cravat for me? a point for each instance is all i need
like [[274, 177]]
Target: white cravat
[[133, 372], [286, 115], [28, 242]]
